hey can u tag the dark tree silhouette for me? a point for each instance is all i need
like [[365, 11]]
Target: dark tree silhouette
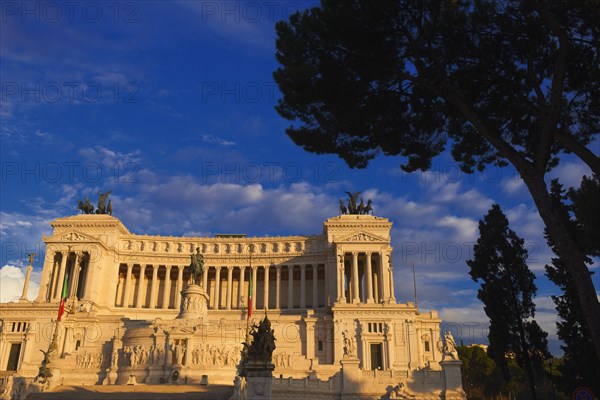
[[502, 81], [507, 291], [580, 366]]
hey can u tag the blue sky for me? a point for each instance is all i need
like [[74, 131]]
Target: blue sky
[[171, 106]]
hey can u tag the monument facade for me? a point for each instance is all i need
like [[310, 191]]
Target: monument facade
[[160, 309]]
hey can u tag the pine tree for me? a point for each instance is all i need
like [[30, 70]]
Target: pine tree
[[507, 291], [580, 366]]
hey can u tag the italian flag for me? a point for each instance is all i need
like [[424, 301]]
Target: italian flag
[[63, 298], [250, 298]]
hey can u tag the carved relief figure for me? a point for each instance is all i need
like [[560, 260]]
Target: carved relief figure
[[349, 344]]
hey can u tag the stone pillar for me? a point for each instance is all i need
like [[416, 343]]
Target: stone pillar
[[259, 380], [154, 286], [139, 301], [354, 280], [369, 281], [376, 280], [310, 337], [53, 278], [253, 277], [290, 286], [241, 287], [266, 288], [61, 276], [179, 286], [127, 288], [302, 286], [217, 303], [452, 379], [89, 276], [341, 278], [382, 278], [75, 277], [26, 284], [205, 279], [278, 288], [167, 288], [45, 280], [229, 287], [391, 278], [315, 287]]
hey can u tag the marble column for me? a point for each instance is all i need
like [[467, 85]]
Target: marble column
[[127, 285], [217, 302], [205, 279], [266, 288], [26, 283], [229, 287], [139, 300], [302, 286], [75, 278], [241, 287], [369, 281], [61, 276], [45, 279], [179, 286], [254, 276], [341, 278], [278, 288], [354, 279], [167, 288], [384, 278], [391, 279], [290, 286], [315, 287], [154, 286], [89, 276]]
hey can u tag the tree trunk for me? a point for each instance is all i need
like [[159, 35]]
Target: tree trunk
[[568, 252], [527, 355]]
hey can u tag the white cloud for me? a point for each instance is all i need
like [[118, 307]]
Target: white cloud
[[22, 234], [110, 159], [217, 140], [12, 280], [513, 186], [570, 173]]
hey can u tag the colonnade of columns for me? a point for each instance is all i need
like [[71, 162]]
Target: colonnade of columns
[[158, 286], [71, 268], [365, 277]]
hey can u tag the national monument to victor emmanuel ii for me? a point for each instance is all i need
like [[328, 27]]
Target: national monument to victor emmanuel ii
[[128, 318]]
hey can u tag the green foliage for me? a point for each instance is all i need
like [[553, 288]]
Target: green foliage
[[579, 366], [499, 81], [507, 291], [362, 77]]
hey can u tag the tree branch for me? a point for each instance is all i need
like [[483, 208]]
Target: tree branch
[[585, 154], [556, 91]]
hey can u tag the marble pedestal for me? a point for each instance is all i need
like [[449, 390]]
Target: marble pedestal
[[194, 301], [259, 378]]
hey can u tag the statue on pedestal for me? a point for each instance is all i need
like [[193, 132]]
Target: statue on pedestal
[[44, 372], [449, 347], [196, 267], [263, 342]]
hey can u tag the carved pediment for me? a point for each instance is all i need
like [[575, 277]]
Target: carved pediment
[[362, 237], [74, 237]]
